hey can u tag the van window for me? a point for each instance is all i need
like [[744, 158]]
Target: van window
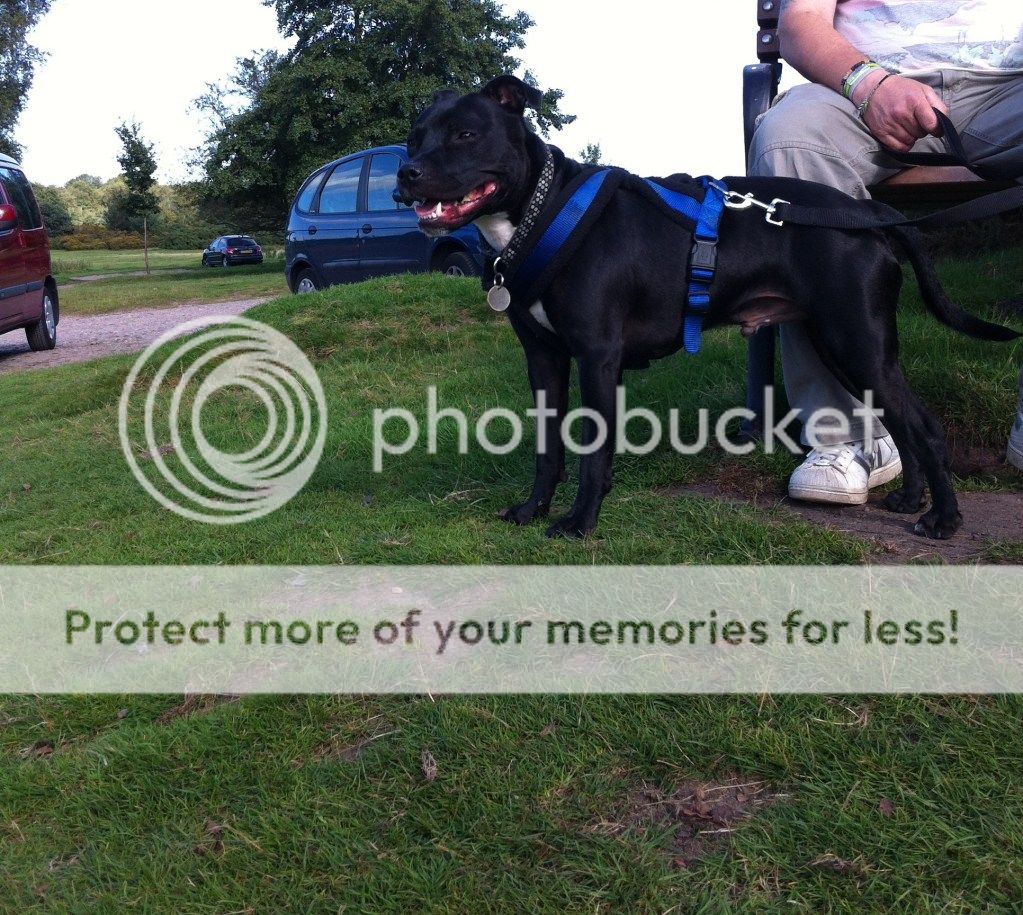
[[308, 195], [383, 179], [19, 192], [341, 192]]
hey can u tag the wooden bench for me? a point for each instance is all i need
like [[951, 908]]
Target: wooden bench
[[934, 187]]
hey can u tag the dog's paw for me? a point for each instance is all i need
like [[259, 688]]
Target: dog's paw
[[905, 502], [934, 526], [524, 514], [571, 527]]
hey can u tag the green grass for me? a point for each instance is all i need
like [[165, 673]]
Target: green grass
[[68, 264], [163, 289], [322, 800]]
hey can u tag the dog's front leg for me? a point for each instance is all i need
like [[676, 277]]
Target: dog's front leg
[[549, 372], [599, 375]]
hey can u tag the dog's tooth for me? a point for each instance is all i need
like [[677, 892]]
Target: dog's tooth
[[438, 210]]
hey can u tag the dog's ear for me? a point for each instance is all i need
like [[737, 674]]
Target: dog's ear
[[444, 95], [513, 95]]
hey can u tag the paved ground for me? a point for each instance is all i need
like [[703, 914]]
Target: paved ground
[[82, 338], [96, 277]]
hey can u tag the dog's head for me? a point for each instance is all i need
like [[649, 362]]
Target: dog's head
[[468, 155]]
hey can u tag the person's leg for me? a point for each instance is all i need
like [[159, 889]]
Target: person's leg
[[988, 108], [814, 134]]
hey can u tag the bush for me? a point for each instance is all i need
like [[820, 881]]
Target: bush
[[93, 238]]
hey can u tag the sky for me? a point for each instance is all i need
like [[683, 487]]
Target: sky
[[659, 89]]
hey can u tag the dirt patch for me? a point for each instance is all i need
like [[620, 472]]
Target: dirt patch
[[81, 338], [345, 748], [194, 705], [989, 519], [700, 816]]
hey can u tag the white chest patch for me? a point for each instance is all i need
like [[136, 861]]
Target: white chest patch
[[541, 317], [497, 230]]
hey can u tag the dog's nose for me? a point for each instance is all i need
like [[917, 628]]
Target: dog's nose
[[409, 173]]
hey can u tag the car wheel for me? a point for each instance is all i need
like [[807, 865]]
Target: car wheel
[[42, 335], [205, 262], [458, 263], [305, 283]]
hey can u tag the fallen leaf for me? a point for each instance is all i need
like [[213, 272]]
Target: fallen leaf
[[216, 832], [41, 749], [550, 729], [886, 807], [430, 770], [122, 714], [27, 487]]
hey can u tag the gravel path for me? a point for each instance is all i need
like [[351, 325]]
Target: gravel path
[[81, 338]]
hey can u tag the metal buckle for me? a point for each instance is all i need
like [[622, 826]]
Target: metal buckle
[[736, 201]]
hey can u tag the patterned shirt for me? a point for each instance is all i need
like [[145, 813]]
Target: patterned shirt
[[916, 36]]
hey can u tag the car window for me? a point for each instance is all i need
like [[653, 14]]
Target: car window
[[19, 192], [241, 241], [383, 179], [308, 195], [341, 192]]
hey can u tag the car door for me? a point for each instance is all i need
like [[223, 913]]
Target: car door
[[13, 274], [391, 239], [335, 230], [32, 240]]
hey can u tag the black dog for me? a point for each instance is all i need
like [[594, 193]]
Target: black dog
[[618, 301]]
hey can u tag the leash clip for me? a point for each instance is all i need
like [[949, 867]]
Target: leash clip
[[736, 201]]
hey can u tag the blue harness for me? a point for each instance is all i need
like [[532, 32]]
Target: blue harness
[[705, 216]]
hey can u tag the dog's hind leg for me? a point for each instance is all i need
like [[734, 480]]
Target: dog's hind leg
[[909, 498], [549, 373]]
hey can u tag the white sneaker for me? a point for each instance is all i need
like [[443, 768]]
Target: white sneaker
[[843, 475], [1016, 443]]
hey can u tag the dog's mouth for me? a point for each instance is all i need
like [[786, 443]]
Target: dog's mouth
[[453, 214]]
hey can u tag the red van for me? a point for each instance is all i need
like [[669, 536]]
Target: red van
[[28, 292]]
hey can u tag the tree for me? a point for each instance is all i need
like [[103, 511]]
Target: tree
[[87, 196], [55, 211], [18, 60], [356, 76], [592, 154], [138, 165]]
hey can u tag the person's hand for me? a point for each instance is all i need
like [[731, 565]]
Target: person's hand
[[901, 112]]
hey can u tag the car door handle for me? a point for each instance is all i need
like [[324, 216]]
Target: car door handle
[[367, 229], [313, 230]]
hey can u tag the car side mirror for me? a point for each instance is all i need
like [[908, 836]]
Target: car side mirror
[[8, 218]]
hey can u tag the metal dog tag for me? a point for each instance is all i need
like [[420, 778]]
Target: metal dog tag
[[499, 298]]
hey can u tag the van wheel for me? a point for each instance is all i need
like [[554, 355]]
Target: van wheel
[[42, 335], [305, 282], [458, 263]]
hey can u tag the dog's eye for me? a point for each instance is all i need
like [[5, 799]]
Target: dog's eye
[[467, 135]]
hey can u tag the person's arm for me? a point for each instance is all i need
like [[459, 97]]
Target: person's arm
[[900, 113]]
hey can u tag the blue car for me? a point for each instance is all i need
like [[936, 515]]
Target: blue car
[[347, 225]]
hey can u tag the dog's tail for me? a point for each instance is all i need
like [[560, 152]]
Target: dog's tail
[[935, 297]]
